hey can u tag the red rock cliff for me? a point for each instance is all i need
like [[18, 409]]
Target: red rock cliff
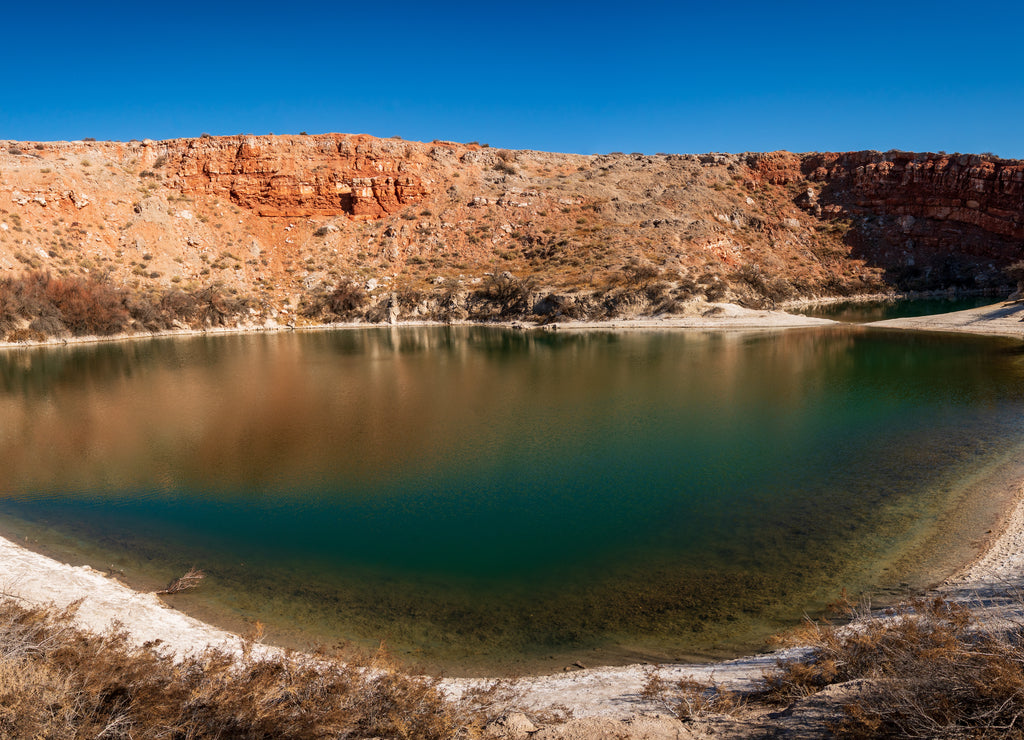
[[927, 219], [331, 175]]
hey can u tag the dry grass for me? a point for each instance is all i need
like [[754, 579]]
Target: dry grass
[[935, 670], [926, 669], [58, 682], [687, 699]]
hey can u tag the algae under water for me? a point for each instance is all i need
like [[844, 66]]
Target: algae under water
[[487, 500]]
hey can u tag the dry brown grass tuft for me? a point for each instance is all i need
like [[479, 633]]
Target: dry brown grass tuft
[[926, 669], [58, 682], [934, 670]]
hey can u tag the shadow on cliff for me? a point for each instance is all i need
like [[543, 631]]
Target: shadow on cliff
[[928, 221]]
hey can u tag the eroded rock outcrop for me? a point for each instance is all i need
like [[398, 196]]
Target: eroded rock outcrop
[[928, 219], [981, 191], [330, 175]]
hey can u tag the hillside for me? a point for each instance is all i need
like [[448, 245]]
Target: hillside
[[281, 229]]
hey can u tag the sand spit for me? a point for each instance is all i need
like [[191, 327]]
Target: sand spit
[[1002, 319], [608, 695], [703, 316]]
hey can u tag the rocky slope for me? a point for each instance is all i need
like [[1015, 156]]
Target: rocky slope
[[426, 229]]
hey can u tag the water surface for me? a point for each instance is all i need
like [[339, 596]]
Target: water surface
[[493, 500]]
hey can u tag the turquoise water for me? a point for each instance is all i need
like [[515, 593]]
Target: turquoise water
[[493, 500]]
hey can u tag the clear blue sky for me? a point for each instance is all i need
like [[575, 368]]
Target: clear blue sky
[[577, 77]]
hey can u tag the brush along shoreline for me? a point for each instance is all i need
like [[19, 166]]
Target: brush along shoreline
[[609, 692], [699, 315]]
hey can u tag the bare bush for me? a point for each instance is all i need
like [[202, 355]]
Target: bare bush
[[555, 306], [688, 699], [772, 289], [1016, 272], [345, 302], [58, 305], [505, 294], [639, 273], [59, 682], [933, 669]]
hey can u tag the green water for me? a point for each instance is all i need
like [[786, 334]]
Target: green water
[[491, 500]]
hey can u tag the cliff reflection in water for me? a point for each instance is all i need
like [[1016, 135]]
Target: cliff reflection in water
[[520, 492]]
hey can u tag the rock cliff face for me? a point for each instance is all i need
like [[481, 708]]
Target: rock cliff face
[[279, 217], [929, 220], [355, 176], [927, 217], [967, 189]]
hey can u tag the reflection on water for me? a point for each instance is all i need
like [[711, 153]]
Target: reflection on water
[[485, 498]]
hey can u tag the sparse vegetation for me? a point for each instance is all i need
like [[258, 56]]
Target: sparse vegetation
[[345, 302], [503, 294], [59, 682], [926, 669], [661, 230], [688, 699], [38, 305]]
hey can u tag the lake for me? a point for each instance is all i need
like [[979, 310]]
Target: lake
[[490, 500]]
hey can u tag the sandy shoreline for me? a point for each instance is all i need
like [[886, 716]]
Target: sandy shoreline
[[705, 316], [1000, 319], [601, 692]]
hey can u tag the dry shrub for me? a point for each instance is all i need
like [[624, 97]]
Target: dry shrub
[[715, 291], [188, 581], [87, 306], [24, 299], [688, 699], [214, 307], [555, 306], [1015, 272], [80, 306], [58, 682], [621, 302], [450, 302], [503, 293], [27, 334], [639, 273], [934, 671], [61, 305], [767, 288], [345, 302]]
